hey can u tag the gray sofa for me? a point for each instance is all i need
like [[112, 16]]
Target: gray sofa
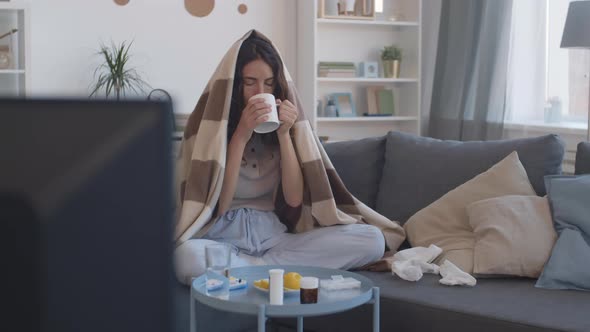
[[399, 174]]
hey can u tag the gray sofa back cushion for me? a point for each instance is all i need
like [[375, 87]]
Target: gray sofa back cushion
[[359, 164], [583, 158], [420, 170]]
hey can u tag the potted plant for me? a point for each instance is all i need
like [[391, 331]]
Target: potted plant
[[391, 57], [114, 75]]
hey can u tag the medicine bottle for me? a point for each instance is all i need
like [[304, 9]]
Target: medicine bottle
[[309, 290], [276, 286]]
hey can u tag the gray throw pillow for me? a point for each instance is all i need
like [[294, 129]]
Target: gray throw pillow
[[568, 267], [420, 170], [583, 158], [359, 164]]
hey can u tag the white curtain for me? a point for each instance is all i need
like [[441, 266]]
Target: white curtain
[[525, 97]]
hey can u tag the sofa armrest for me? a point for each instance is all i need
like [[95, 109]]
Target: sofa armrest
[[583, 158]]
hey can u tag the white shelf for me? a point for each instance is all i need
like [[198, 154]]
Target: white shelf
[[367, 119], [15, 5], [342, 39], [16, 81], [366, 80], [12, 71], [367, 22]]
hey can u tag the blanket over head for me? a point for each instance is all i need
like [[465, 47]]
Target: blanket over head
[[202, 157]]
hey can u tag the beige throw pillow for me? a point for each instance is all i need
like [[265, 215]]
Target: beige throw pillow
[[514, 235], [445, 222]]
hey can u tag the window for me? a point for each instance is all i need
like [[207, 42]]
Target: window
[[547, 84]]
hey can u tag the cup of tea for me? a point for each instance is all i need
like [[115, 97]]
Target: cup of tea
[[272, 123]]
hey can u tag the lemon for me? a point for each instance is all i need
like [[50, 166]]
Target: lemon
[[262, 283], [291, 280]]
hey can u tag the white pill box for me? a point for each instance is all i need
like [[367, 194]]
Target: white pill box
[[338, 282]]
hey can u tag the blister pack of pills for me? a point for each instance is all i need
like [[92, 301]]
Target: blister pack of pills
[[339, 282], [234, 283]]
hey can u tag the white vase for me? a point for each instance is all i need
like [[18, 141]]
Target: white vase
[[348, 5], [331, 7]]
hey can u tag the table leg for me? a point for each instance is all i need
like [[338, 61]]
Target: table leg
[[375, 309], [261, 318], [193, 324], [299, 323]]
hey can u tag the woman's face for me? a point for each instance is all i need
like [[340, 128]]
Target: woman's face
[[257, 78]]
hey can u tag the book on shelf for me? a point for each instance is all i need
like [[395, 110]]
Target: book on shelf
[[372, 99], [331, 70], [336, 65], [336, 69], [337, 73], [385, 101], [380, 101], [376, 115]]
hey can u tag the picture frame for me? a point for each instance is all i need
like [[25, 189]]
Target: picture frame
[[369, 69], [344, 104]]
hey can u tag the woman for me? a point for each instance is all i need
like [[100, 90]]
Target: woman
[[263, 185]]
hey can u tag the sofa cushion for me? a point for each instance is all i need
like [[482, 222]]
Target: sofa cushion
[[583, 158], [419, 170], [514, 235], [445, 222], [569, 265], [359, 164]]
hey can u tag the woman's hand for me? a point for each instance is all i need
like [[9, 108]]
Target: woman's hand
[[255, 113], [287, 116]]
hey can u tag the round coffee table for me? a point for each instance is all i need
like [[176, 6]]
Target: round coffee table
[[253, 301]]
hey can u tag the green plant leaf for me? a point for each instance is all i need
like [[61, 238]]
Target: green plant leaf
[[391, 53], [113, 75]]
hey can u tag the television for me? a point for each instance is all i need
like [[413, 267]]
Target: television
[[86, 207]]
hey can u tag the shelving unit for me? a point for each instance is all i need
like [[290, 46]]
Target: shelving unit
[[353, 22], [367, 119], [366, 80], [15, 80], [350, 40]]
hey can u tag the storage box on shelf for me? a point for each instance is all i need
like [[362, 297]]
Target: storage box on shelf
[[14, 59], [327, 37]]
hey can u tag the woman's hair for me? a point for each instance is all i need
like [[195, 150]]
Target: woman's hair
[[255, 48]]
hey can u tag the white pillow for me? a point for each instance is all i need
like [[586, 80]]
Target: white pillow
[[445, 222], [514, 235]]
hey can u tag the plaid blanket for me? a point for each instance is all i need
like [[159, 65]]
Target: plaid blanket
[[202, 157]]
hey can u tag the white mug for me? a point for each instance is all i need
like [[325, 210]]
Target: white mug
[[349, 5], [272, 123]]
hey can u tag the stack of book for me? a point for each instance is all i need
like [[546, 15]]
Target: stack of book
[[336, 69]]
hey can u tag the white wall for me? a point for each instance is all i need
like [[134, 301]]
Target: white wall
[[174, 50]]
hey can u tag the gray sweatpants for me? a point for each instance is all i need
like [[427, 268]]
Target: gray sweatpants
[[259, 238]]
